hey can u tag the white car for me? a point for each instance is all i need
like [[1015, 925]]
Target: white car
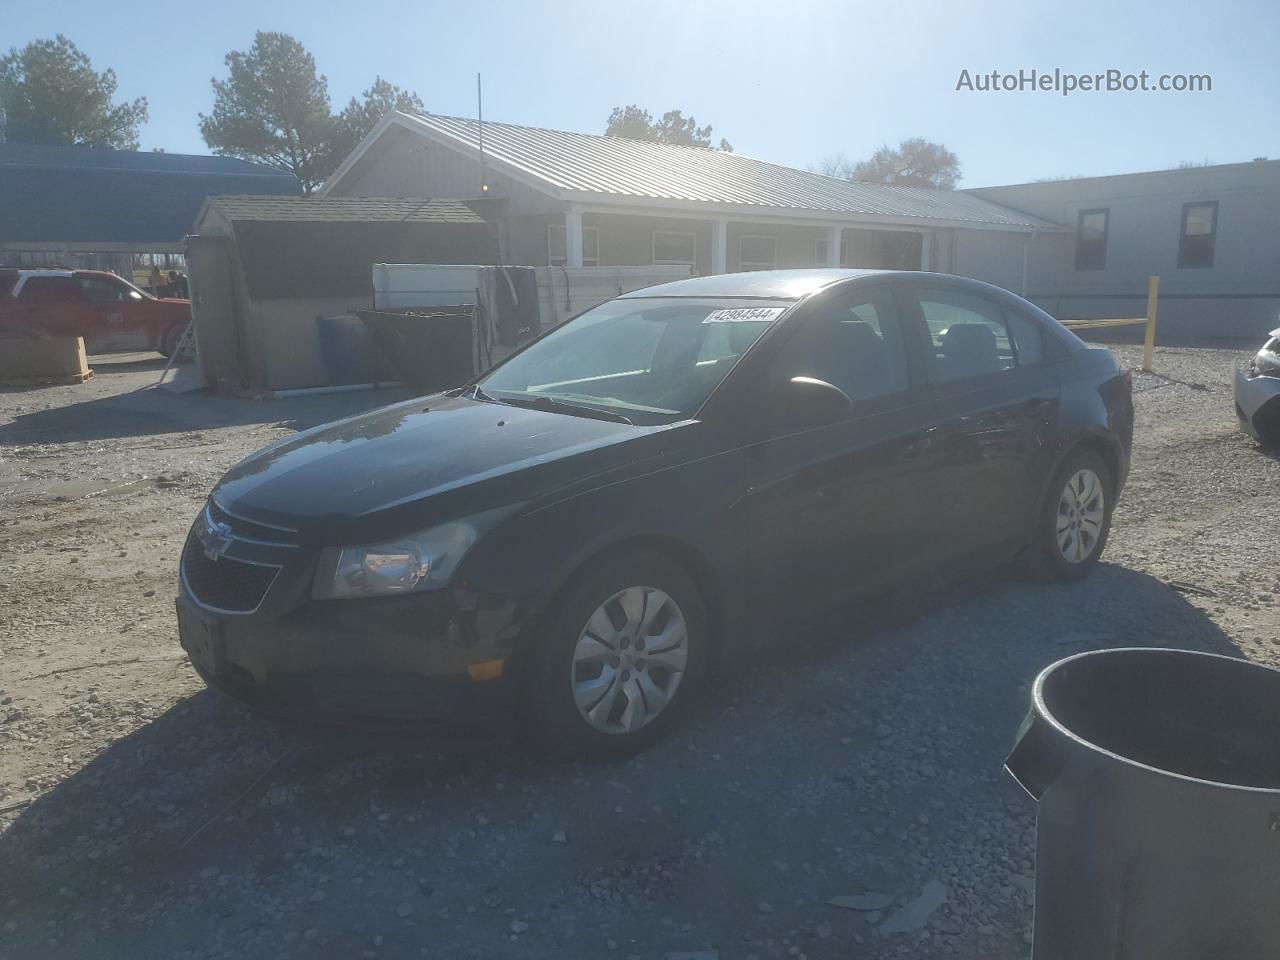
[[1258, 393]]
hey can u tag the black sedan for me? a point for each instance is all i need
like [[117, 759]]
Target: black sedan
[[683, 472]]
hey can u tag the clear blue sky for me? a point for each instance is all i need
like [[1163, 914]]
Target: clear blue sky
[[790, 82]]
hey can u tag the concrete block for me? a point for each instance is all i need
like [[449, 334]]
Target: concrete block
[[43, 360]]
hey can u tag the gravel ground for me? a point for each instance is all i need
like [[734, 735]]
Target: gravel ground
[[163, 821]]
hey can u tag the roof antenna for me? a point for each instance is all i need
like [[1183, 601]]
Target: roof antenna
[[484, 186]]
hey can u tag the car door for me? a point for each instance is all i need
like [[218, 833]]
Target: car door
[[116, 321], [996, 404], [839, 509]]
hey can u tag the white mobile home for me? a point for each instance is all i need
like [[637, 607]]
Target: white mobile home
[[1211, 233]]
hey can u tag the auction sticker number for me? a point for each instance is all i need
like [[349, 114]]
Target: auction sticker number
[[744, 315]]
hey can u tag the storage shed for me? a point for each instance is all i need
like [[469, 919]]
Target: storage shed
[[269, 273]]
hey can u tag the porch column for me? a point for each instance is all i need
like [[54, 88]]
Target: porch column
[[573, 238], [925, 251], [719, 246], [834, 233]]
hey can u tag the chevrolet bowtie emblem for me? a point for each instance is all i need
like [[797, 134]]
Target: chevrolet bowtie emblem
[[215, 538]]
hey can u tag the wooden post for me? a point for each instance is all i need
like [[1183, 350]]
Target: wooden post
[[1148, 345]]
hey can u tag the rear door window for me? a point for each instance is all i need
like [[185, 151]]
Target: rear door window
[[1028, 339], [971, 337], [49, 290]]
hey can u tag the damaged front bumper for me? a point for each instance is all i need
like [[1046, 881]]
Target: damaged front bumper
[[1257, 399]]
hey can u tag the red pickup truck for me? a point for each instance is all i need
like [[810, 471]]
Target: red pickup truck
[[110, 313]]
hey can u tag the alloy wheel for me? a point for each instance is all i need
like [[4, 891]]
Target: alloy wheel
[[1081, 514], [629, 660]]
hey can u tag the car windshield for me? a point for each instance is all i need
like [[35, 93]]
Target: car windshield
[[651, 360]]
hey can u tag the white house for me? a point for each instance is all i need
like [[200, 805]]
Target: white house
[[582, 199]]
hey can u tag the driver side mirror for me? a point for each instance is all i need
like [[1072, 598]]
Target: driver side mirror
[[809, 402]]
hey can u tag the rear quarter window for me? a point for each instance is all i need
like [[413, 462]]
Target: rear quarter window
[[8, 279], [1028, 338]]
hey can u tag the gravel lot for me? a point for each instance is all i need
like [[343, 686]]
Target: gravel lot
[[164, 821]]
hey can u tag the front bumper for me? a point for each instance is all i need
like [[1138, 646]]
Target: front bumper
[[1257, 401], [384, 658], [329, 673]]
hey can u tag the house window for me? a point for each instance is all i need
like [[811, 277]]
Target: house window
[[820, 252], [673, 248], [757, 253], [557, 245], [1091, 239], [1199, 234]]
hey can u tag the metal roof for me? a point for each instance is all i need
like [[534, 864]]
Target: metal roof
[[344, 210], [1261, 164], [82, 195], [587, 166]]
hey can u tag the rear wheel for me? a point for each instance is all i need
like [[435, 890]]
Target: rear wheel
[[622, 658], [1073, 527]]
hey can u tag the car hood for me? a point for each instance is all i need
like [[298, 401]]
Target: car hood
[[423, 461]]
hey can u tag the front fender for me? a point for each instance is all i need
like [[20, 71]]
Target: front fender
[[524, 566]]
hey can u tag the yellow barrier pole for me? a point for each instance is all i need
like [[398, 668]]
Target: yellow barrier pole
[[1149, 344]]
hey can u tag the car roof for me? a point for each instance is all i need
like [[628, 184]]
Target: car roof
[[763, 284]]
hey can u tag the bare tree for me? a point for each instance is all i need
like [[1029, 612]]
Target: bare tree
[[836, 165]]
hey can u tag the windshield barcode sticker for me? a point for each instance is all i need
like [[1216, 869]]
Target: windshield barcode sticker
[[744, 315]]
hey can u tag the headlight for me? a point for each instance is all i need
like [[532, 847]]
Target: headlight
[[418, 561], [1267, 361]]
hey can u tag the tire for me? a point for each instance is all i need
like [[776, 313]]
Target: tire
[[639, 690], [169, 343], [1073, 526]]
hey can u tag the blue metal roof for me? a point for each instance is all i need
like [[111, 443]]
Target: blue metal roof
[[82, 195]]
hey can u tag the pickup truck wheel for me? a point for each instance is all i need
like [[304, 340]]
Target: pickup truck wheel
[[169, 343]]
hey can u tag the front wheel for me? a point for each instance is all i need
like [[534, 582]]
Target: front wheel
[[169, 341], [622, 658], [1073, 527]]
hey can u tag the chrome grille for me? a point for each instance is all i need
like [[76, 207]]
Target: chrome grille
[[215, 570], [250, 530]]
